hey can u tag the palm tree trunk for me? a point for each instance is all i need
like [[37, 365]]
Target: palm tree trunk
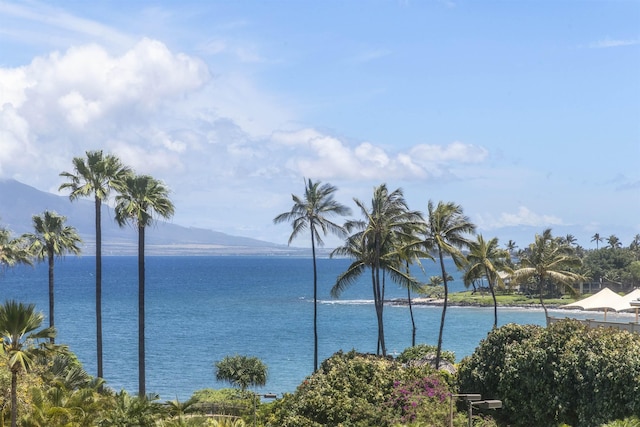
[[51, 293], [99, 286], [444, 308], [379, 303], [376, 297], [315, 304], [141, 351], [14, 398], [413, 322], [544, 307], [493, 295]]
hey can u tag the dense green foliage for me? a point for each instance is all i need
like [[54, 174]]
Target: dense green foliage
[[353, 389], [611, 265], [565, 373], [420, 351]]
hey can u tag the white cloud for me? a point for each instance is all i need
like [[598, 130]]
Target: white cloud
[[523, 217], [454, 152], [608, 42], [51, 20], [62, 104], [323, 156]]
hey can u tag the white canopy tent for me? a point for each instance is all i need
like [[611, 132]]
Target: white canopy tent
[[632, 296], [605, 300]]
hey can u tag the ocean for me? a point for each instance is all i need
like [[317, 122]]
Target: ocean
[[200, 309]]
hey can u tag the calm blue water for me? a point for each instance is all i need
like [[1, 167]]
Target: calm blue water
[[200, 309]]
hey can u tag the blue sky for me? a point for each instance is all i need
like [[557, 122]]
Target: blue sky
[[525, 113]]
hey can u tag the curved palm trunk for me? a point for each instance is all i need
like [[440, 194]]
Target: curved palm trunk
[[493, 295], [379, 303], [99, 287], [315, 304], [413, 322], [544, 307], [444, 307], [141, 350], [14, 398], [51, 293]]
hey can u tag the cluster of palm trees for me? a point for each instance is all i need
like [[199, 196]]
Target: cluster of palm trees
[[390, 238], [139, 199]]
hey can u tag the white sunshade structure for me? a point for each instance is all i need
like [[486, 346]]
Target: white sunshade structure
[[633, 296], [605, 300]]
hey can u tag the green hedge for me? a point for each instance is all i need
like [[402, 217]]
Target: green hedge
[[565, 373]]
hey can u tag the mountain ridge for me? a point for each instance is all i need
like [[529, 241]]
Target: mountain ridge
[[19, 202]]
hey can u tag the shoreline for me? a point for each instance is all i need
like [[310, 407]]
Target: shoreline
[[440, 302]]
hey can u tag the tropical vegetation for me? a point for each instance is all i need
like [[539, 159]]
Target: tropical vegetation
[[52, 238], [312, 212], [590, 376], [564, 373], [140, 200], [96, 175], [387, 223]]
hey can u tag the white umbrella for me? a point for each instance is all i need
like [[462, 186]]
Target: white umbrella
[[632, 296], [605, 300]]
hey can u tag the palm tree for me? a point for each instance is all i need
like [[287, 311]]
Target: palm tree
[[13, 250], [570, 239], [141, 197], [548, 262], [596, 238], [312, 212], [407, 252], [614, 242], [52, 238], [96, 175], [486, 259], [388, 222], [445, 232], [17, 325], [241, 371]]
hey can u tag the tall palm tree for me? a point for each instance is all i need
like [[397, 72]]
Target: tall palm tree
[[312, 212], [96, 175], [486, 259], [142, 197], [548, 262], [446, 232], [17, 325], [388, 219], [52, 238], [596, 238]]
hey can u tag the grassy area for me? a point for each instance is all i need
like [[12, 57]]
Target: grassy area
[[519, 300]]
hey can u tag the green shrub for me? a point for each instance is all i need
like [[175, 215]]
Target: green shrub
[[565, 373], [421, 350], [482, 371], [358, 390]]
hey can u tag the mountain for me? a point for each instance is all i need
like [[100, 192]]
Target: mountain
[[19, 202]]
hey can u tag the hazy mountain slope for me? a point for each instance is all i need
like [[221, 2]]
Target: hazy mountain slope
[[19, 202]]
